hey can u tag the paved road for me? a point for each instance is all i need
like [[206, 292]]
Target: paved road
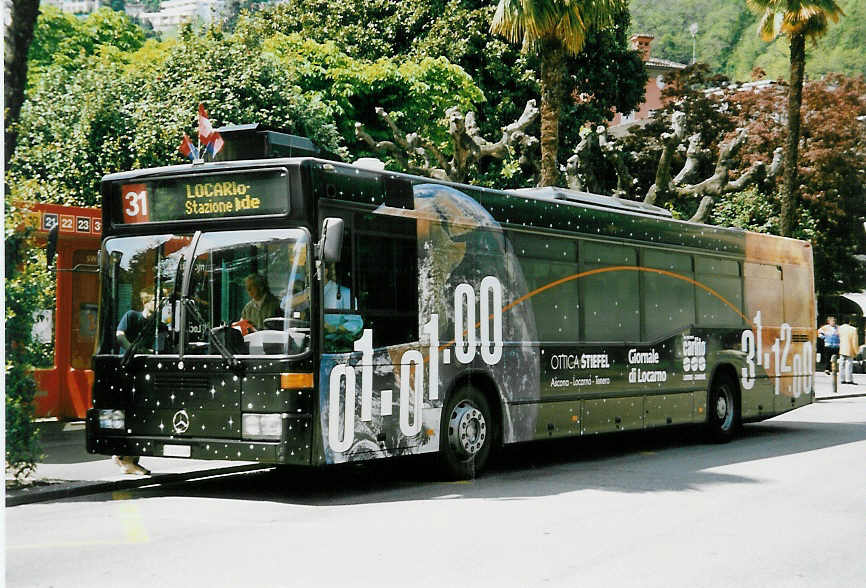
[[784, 505]]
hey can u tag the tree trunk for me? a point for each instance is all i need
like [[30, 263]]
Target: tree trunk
[[552, 89], [18, 35], [795, 98]]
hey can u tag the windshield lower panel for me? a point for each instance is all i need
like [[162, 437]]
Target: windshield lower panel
[[246, 294]]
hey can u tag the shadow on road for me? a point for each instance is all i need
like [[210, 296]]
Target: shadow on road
[[663, 461]]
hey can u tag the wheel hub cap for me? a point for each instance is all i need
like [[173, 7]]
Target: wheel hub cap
[[721, 407], [467, 430]]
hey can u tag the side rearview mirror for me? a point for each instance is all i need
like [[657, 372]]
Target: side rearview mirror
[[331, 242]]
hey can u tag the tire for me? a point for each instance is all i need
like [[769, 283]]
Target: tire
[[723, 409], [468, 433]]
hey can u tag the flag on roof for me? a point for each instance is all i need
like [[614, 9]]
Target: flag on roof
[[210, 139], [204, 127], [188, 149], [215, 143]]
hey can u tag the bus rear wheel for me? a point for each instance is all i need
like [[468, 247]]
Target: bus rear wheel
[[467, 434], [723, 410]]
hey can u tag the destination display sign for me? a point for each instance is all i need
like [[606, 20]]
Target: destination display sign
[[252, 193]]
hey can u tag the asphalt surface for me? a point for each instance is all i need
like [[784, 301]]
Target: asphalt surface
[[781, 505]]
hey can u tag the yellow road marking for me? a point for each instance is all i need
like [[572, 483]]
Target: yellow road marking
[[130, 518]]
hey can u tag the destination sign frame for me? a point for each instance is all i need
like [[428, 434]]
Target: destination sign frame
[[198, 197]]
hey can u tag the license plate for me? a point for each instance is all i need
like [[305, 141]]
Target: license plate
[[176, 450]]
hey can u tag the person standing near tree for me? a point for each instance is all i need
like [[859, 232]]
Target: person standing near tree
[[829, 333], [848, 348]]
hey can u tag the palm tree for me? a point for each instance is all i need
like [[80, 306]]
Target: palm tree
[[554, 28], [798, 20]]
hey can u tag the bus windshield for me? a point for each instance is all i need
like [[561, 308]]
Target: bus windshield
[[247, 289]]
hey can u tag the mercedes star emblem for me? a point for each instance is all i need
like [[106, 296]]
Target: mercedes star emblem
[[180, 422]]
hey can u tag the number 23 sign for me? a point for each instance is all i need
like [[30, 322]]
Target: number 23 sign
[[135, 204]]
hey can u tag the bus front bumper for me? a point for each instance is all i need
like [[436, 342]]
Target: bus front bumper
[[294, 449]]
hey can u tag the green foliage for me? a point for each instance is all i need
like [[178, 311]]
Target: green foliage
[[74, 128], [27, 287], [63, 40], [418, 90], [750, 210], [728, 40]]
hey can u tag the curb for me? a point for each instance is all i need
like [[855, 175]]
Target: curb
[[74, 489], [839, 396]]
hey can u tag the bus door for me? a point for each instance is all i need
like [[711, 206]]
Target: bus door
[[369, 303]]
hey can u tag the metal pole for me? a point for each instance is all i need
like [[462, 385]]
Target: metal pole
[[834, 369], [693, 29]]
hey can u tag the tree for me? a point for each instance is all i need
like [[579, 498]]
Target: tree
[[553, 28], [832, 176], [419, 155], [18, 36], [798, 20]]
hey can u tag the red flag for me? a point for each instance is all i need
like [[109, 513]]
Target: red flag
[[188, 149], [204, 127], [214, 144]]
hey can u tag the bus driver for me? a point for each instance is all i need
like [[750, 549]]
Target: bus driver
[[263, 304]]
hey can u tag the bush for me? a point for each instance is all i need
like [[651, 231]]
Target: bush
[[26, 291]]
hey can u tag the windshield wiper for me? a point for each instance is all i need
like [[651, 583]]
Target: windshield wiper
[[148, 326], [227, 355]]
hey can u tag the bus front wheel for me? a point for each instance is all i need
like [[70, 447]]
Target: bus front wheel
[[467, 433], [723, 409]]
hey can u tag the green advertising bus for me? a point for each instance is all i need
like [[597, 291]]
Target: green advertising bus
[[296, 310]]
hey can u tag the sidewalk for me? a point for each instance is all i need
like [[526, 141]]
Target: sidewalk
[[67, 470], [824, 387]]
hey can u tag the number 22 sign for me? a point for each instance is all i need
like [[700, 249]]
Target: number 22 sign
[[135, 204]]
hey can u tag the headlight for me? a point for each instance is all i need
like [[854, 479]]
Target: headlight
[[111, 419], [266, 427]]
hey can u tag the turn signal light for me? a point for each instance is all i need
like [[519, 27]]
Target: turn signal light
[[296, 381]]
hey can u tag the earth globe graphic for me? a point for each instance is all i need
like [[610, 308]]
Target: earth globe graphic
[[459, 241]]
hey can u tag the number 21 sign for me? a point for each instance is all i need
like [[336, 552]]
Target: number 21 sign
[[135, 204]]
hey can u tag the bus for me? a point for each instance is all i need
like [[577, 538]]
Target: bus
[[301, 311]]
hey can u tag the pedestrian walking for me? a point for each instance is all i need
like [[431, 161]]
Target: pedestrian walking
[[848, 348], [829, 334]]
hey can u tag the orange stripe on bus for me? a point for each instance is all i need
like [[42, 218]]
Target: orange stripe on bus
[[615, 268]]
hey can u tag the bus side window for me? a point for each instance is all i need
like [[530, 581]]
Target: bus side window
[[545, 261], [722, 276], [610, 296], [386, 258], [668, 295]]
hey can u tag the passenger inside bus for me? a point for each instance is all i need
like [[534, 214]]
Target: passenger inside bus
[[133, 321], [262, 305], [299, 301], [341, 328]]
